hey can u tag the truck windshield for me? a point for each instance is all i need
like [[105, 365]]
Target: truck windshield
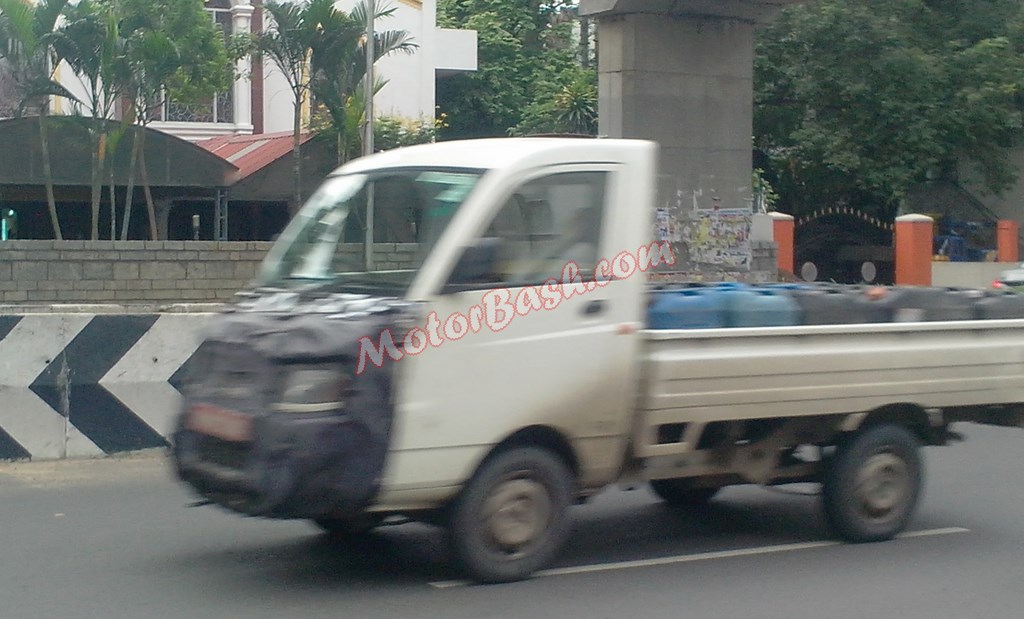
[[367, 233]]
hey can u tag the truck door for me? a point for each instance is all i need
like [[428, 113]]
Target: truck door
[[539, 340]]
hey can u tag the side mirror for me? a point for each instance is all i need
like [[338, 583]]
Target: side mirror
[[476, 266]]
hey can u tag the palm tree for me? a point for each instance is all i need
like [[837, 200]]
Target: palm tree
[[172, 49], [339, 71], [153, 58], [386, 42], [331, 74], [26, 36], [320, 51], [90, 42], [288, 43]]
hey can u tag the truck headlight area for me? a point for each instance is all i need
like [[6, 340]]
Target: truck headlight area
[[312, 389]]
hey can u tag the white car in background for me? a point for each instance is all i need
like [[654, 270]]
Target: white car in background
[[1012, 279]]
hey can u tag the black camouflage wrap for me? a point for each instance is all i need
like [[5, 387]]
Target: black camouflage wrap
[[322, 465]]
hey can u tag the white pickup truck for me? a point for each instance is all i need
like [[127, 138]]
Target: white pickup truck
[[456, 333]]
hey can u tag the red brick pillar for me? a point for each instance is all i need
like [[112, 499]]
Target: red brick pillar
[[783, 227], [914, 246], [1007, 244]]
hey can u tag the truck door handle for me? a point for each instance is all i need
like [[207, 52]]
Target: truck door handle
[[593, 308]]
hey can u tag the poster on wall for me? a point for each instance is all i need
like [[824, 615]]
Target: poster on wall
[[708, 239], [720, 237], [664, 226]]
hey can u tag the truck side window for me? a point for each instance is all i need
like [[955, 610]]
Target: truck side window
[[398, 205], [547, 223]]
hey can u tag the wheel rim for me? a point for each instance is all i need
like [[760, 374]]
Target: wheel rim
[[516, 515], [882, 487]]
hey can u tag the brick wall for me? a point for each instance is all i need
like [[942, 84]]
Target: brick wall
[[387, 256], [164, 272], [40, 272]]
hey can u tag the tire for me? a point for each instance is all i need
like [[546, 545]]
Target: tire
[[512, 517], [872, 484], [681, 493]]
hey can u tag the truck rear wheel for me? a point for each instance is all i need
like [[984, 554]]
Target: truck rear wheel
[[872, 484], [681, 493], [512, 517]]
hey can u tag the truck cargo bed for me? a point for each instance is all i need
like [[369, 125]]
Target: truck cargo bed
[[692, 378]]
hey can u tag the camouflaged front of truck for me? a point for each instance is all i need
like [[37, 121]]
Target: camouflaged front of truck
[[288, 465]]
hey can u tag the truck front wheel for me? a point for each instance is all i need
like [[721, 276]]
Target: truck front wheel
[[512, 517], [872, 484]]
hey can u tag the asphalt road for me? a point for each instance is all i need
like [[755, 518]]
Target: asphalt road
[[111, 539]]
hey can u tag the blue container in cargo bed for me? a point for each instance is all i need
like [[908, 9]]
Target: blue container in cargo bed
[[686, 308], [760, 307]]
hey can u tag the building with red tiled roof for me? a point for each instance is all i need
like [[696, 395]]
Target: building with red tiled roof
[[252, 153], [257, 204]]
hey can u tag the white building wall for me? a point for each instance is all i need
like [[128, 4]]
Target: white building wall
[[76, 85], [410, 91], [277, 98]]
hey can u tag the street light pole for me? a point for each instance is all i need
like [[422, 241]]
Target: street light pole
[[371, 13]]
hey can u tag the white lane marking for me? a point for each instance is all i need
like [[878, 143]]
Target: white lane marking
[[933, 532], [702, 556]]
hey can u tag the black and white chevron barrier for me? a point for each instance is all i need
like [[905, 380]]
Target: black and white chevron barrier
[[75, 385]]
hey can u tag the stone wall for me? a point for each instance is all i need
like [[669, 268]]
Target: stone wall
[[386, 256], [167, 272], [969, 274], [41, 272]]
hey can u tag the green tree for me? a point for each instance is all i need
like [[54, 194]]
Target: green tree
[[26, 34], [525, 50], [173, 50], [858, 101], [295, 28], [391, 132], [319, 49], [565, 106], [91, 43]]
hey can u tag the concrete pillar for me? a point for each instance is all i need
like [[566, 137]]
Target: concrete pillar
[[914, 246], [761, 228], [241, 15], [163, 215], [784, 228], [680, 72], [1007, 241]]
